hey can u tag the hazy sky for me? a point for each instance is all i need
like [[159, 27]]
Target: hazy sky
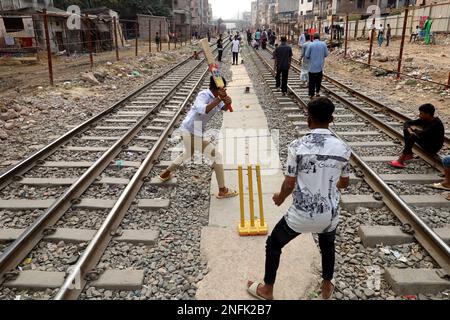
[[228, 9]]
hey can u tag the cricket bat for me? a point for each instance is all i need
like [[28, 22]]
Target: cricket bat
[[213, 67]]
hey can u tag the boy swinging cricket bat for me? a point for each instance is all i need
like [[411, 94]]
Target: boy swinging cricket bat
[[213, 67]]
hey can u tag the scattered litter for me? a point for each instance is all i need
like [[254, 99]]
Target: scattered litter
[[136, 74], [109, 63], [396, 254], [18, 297], [119, 164], [385, 251], [313, 295], [27, 261], [410, 297], [403, 259]]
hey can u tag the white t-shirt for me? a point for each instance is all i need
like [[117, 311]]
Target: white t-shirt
[[235, 46], [317, 160], [196, 119]]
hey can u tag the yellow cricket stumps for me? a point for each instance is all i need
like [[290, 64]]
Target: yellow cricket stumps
[[252, 227]]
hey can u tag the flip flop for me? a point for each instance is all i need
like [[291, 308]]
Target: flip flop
[[332, 290], [230, 193], [397, 164], [253, 290], [440, 186], [158, 177]]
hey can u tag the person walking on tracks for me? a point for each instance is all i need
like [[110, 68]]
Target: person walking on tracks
[[304, 61], [206, 105], [219, 48], [317, 167], [316, 53], [283, 57], [235, 45], [427, 131]]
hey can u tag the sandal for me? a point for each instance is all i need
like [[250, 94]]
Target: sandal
[[230, 193], [332, 290], [253, 290], [160, 179], [440, 186], [397, 164]]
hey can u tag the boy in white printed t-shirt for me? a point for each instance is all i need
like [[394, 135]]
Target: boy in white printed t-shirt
[[317, 166]]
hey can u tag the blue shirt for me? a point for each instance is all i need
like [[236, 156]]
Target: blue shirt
[[316, 53]]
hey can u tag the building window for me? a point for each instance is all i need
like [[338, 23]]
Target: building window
[[13, 24], [360, 4]]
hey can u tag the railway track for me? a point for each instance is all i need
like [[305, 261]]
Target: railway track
[[96, 169], [373, 131]]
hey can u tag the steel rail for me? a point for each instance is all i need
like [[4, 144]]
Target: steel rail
[[394, 113], [434, 245], [433, 160], [29, 162], [17, 251], [76, 279]]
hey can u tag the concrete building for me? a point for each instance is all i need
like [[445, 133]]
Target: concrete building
[[254, 13], [20, 4]]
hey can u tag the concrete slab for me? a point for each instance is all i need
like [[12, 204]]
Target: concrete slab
[[392, 235], [147, 237], [351, 202], [153, 203], [271, 181], [69, 181], [120, 280], [36, 280], [371, 236], [354, 201], [372, 144], [414, 281], [232, 260]]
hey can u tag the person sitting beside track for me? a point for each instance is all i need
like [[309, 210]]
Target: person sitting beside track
[[445, 184], [427, 132], [317, 166], [206, 105]]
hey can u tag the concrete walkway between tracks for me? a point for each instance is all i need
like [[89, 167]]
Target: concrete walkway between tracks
[[232, 259]]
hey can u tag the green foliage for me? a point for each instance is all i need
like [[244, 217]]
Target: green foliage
[[127, 8]]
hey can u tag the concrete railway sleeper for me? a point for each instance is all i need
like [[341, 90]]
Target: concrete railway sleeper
[[380, 186], [154, 118]]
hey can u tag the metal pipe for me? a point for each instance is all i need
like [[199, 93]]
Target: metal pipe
[[372, 35], [115, 37], [402, 43], [346, 32], [49, 50]]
